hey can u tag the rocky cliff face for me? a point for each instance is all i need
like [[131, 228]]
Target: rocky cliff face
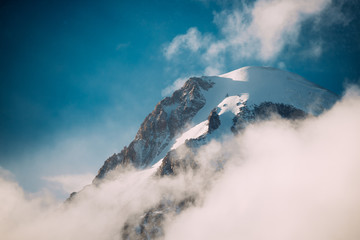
[[214, 121], [229, 101], [265, 111], [218, 105], [174, 162], [183, 159], [160, 126]]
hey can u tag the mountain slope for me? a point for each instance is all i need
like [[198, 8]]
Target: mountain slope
[[225, 98], [160, 127], [205, 108]]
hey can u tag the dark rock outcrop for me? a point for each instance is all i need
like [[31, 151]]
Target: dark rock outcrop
[[214, 121], [174, 163], [159, 127], [150, 224], [265, 111], [183, 158]]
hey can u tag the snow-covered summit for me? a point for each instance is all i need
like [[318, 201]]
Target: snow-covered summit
[[206, 108], [273, 85], [203, 101], [252, 86]]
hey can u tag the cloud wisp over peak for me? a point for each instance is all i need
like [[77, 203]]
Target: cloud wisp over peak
[[258, 31], [193, 40]]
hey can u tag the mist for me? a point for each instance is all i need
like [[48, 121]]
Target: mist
[[285, 180], [278, 179]]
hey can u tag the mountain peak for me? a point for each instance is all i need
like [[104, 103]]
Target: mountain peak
[[204, 109], [211, 105], [274, 85]]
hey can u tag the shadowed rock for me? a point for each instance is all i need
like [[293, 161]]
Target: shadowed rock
[[214, 121], [160, 126]]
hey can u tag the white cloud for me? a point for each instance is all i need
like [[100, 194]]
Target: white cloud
[[315, 50], [212, 71], [99, 212], [282, 180], [259, 31], [71, 183], [335, 14], [193, 40], [78, 150], [121, 46], [281, 65], [5, 174], [177, 84], [277, 23]]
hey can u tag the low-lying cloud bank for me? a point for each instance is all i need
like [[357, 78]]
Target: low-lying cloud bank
[[285, 181], [281, 180]]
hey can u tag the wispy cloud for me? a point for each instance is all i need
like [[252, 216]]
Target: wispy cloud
[[282, 178], [277, 23], [281, 65], [178, 83], [71, 155], [193, 41], [258, 31], [122, 46], [70, 183]]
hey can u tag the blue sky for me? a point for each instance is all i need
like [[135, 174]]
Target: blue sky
[[78, 77]]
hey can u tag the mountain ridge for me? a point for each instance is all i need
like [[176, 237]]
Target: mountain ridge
[[204, 109], [199, 96], [225, 94], [160, 126]]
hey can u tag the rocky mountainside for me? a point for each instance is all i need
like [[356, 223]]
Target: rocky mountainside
[[214, 106], [206, 108], [161, 126]]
